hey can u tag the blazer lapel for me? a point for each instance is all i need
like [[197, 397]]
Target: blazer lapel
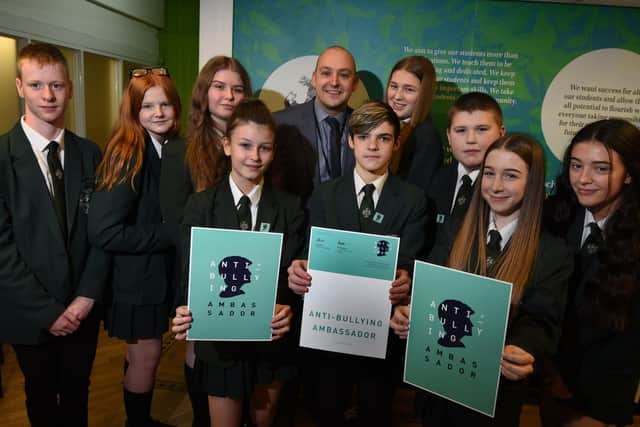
[[574, 233], [29, 175], [347, 157], [72, 178], [267, 211], [308, 131], [225, 208], [452, 178], [348, 215]]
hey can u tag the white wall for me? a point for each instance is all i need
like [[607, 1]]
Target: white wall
[[216, 29], [84, 25]]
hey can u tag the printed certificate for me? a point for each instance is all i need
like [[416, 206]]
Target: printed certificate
[[233, 281], [456, 337], [347, 308]]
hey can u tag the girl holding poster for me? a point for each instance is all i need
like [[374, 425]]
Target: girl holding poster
[[504, 226], [597, 209], [232, 373], [410, 90]]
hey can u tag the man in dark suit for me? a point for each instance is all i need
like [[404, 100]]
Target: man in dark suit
[[50, 276], [312, 137], [366, 199], [475, 122]]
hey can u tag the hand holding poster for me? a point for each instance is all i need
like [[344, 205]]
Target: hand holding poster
[[456, 338], [347, 307], [233, 280]]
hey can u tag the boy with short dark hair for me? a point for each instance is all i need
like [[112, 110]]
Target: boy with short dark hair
[[368, 200], [475, 122], [50, 276]]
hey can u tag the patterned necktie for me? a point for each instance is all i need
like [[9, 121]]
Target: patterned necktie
[[593, 241], [493, 247], [57, 179], [462, 198], [366, 206], [335, 145], [244, 213]]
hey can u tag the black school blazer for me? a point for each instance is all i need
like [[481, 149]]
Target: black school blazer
[[127, 221], [41, 270]]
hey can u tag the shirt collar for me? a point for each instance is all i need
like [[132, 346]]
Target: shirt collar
[[321, 114], [157, 145], [254, 195], [462, 171], [38, 141], [506, 232], [378, 183], [588, 219]]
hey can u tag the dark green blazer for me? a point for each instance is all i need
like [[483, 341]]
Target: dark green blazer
[[128, 222], [403, 206], [41, 270]]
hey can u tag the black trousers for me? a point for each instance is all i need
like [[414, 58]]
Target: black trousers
[[56, 375], [333, 377]]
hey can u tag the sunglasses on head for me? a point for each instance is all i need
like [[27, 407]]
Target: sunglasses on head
[[141, 72]]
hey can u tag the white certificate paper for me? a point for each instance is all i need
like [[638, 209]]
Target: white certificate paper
[[347, 308]]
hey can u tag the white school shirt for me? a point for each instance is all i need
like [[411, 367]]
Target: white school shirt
[[39, 146], [378, 184], [254, 195], [462, 171]]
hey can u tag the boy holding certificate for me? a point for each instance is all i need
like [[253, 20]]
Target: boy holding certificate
[[368, 200], [229, 372]]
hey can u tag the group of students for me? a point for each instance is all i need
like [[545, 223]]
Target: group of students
[[114, 229]]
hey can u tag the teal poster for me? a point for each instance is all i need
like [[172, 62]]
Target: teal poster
[[456, 335], [354, 254], [552, 67], [233, 280]]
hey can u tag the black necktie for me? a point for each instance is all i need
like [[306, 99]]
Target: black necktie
[[593, 241], [244, 213], [57, 179], [366, 206], [493, 247], [462, 198], [335, 147]]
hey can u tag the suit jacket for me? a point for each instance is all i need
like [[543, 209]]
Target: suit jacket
[[403, 206], [215, 208], [421, 155], [127, 221], [600, 367], [41, 271], [297, 154]]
